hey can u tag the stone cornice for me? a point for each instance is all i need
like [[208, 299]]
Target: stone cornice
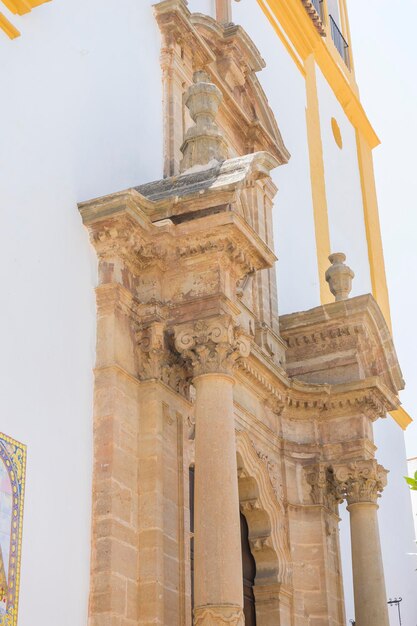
[[119, 226], [298, 400], [352, 330], [173, 18]]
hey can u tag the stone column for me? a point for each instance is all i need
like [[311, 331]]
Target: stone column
[[213, 346], [362, 484]]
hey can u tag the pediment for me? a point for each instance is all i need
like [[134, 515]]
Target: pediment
[[192, 41], [237, 62]]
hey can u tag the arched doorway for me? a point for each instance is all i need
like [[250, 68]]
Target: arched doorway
[[249, 574]]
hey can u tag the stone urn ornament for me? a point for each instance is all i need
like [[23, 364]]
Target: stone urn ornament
[[339, 276], [204, 143]]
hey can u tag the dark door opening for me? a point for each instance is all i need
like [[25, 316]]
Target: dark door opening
[[249, 573], [191, 502]]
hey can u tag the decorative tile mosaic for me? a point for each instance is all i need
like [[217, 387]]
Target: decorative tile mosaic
[[12, 488]]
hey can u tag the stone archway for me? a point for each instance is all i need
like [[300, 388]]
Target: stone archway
[[268, 536]]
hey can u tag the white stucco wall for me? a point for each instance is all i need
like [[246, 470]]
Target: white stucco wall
[[412, 469], [81, 117], [207, 7], [298, 286], [343, 188]]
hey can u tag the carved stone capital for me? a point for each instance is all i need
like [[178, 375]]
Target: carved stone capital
[[157, 361], [219, 615], [213, 345], [152, 350], [325, 490], [361, 481]]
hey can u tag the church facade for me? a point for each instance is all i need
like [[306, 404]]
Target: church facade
[[212, 437]]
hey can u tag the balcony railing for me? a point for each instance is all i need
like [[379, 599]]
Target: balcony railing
[[315, 10], [340, 42]]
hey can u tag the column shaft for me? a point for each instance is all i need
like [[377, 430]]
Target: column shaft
[[218, 560], [368, 573]]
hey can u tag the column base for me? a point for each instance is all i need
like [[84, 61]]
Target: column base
[[219, 615]]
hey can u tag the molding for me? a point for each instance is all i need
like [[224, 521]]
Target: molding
[[6, 26], [264, 510], [17, 7], [21, 7], [402, 418], [219, 615], [333, 329]]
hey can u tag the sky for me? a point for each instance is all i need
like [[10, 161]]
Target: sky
[[384, 35]]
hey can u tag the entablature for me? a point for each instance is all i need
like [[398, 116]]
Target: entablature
[[342, 341]]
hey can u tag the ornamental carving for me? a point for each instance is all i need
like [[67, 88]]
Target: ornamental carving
[[121, 238], [12, 487], [361, 481], [156, 359], [325, 490], [212, 345], [265, 514], [219, 615], [273, 472]]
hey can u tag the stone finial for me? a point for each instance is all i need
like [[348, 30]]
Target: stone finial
[[339, 276], [204, 142]]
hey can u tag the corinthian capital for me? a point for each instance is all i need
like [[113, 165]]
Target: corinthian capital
[[212, 345], [157, 361], [361, 481], [325, 489]]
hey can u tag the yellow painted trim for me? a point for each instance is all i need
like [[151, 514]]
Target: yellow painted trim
[[318, 185], [336, 133], [375, 248], [300, 30], [372, 226], [18, 7], [8, 27], [288, 46], [402, 418]]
